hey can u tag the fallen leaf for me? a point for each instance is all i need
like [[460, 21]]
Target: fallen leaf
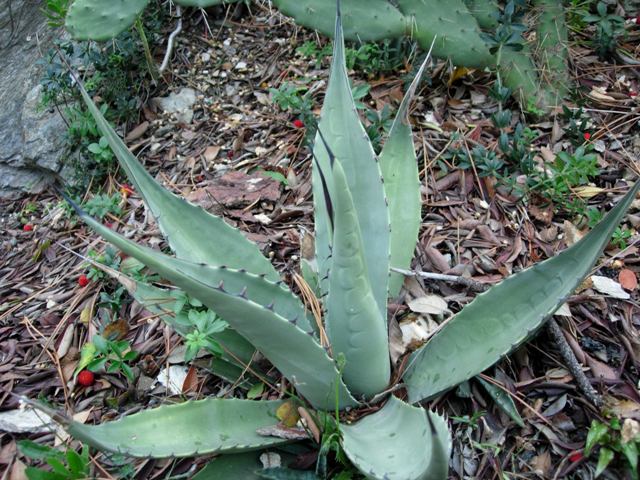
[[588, 191], [630, 430], [431, 304], [172, 378], [621, 408], [310, 423], [416, 330], [542, 464], [288, 414], [628, 279], [211, 153], [609, 287], [571, 233], [18, 471], [65, 343], [22, 420], [116, 330], [190, 383], [270, 460], [137, 132], [563, 311]]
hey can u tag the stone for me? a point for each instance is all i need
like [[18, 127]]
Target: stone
[[179, 104], [32, 139]]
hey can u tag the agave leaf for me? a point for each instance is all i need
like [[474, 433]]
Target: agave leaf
[[227, 292], [252, 287], [506, 315], [192, 233], [344, 133], [399, 166], [353, 322], [399, 442], [192, 428], [239, 465]]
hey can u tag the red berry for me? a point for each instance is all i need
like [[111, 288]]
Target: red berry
[[575, 457], [86, 378], [298, 123], [633, 94], [83, 280], [587, 136], [28, 227]]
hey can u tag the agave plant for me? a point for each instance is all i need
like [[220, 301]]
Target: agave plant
[[367, 217]]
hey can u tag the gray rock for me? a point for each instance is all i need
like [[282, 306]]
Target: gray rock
[[178, 104], [32, 143]]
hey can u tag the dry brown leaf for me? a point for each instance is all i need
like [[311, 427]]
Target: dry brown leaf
[[65, 343], [431, 304], [137, 132], [310, 423], [542, 464], [621, 408], [190, 383], [116, 330], [18, 471], [588, 191], [628, 279], [571, 233], [211, 153]]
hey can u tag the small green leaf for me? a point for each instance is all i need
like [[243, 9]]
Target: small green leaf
[[277, 176], [128, 372], [604, 459], [101, 344], [75, 463], [36, 451], [503, 400], [97, 364], [597, 432], [630, 451], [255, 391], [37, 474]]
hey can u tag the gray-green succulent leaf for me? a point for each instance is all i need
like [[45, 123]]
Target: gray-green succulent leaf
[[503, 317], [239, 297], [399, 166], [399, 442], [344, 134], [189, 230], [197, 427], [353, 322]]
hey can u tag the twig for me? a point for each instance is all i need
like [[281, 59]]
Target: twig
[[467, 282], [171, 41], [572, 363]]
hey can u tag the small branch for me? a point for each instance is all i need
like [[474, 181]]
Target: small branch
[[171, 41], [458, 280], [572, 363]]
